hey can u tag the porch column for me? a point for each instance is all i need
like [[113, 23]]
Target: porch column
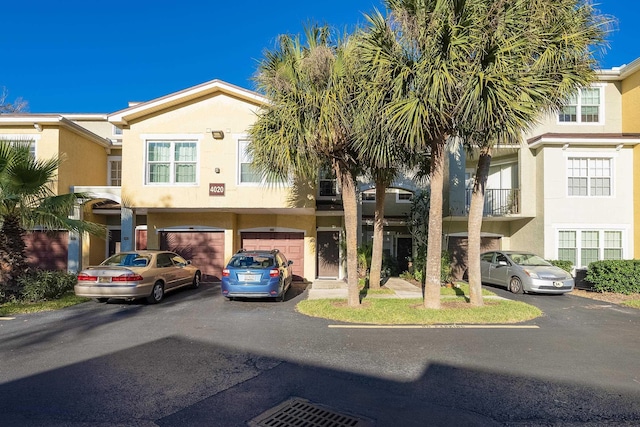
[[128, 224], [74, 249]]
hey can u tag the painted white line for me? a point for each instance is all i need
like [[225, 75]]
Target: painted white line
[[434, 326], [7, 318]]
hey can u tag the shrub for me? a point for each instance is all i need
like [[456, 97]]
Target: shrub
[[445, 267], [46, 285], [620, 276], [565, 265]]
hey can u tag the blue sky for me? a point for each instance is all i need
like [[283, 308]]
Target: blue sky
[[81, 56]]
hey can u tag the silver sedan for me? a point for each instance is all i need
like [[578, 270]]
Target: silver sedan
[[524, 272]]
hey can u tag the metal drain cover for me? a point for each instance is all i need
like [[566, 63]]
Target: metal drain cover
[[302, 413]]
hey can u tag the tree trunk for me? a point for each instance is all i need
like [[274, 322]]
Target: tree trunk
[[378, 236], [434, 243], [475, 227], [13, 261], [348, 189]]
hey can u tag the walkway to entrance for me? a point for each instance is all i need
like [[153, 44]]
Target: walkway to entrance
[[324, 289]]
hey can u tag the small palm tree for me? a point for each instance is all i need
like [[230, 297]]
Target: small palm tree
[[27, 201]]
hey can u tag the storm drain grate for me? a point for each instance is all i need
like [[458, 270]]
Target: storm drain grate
[[302, 413]]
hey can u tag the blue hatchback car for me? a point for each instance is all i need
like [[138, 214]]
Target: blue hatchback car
[[257, 274]]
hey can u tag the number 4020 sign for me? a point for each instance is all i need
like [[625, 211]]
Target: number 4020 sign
[[216, 189]]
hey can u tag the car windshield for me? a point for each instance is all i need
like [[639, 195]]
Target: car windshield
[[248, 260], [128, 260], [528, 259]]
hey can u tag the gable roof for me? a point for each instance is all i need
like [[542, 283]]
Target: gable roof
[[142, 109]]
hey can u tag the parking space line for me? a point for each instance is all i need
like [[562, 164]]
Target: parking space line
[[7, 318], [434, 327]]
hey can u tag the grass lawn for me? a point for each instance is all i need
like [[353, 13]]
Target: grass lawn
[[67, 300], [396, 311], [635, 303]]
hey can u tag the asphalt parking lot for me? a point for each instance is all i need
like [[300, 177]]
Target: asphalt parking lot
[[197, 359]]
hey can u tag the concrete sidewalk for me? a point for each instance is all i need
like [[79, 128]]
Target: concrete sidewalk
[[337, 289]]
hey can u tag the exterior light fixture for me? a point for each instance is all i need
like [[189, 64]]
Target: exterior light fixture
[[217, 134], [38, 127]]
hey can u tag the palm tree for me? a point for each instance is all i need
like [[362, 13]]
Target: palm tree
[[418, 53], [27, 201], [530, 55], [308, 122]]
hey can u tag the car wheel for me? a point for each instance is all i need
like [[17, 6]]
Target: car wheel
[[515, 285], [157, 293], [196, 280], [101, 299]]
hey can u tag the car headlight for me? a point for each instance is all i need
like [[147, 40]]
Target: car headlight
[[531, 274]]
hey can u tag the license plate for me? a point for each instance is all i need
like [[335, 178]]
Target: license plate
[[104, 279], [558, 284], [248, 277]]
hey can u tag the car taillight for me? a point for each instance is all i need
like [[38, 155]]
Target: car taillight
[[225, 272], [274, 273], [127, 278], [87, 278]]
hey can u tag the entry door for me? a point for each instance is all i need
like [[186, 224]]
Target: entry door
[[328, 254], [405, 250], [114, 241]]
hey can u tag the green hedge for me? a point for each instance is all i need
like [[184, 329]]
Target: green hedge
[[46, 285], [620, 276], [565, 265]]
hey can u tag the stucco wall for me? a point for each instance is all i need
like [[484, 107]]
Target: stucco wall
[[191, 121]]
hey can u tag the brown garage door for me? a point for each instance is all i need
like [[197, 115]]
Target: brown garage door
[[205, 249], [290, 244], [47, 250]]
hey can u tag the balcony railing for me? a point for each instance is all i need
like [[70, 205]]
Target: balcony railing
[[498, 202]]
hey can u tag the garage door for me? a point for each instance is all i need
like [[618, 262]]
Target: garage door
[[205, 249], [290, 244], [47, 250]]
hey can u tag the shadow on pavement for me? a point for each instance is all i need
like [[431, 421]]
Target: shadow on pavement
[[178, 381]]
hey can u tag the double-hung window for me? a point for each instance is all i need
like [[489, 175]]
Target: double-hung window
[[171, 162], [248, 173], [583, 247], [583, 107], [589, 176]]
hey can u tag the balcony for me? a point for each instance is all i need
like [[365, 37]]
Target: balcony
[[499, 202]]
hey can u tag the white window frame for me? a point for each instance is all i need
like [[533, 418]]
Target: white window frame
[[172, 139], [601, 230], [243, 158], [111, 159], [399, 200], [24, 137], [579, 105], [116, 131], [369, 196], [591, 156]]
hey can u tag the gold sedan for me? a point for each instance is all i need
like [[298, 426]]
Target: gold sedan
[[137, 274]]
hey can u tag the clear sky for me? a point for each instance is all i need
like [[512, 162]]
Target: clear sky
[[84, 56]]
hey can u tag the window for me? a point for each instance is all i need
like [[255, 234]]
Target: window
[[589, 177], [583, 247], [115, 171], [369, 196], [171, 162], [29, 140], [248, 174], [583, 107], [117, 131], [327, 183], [404, 197]]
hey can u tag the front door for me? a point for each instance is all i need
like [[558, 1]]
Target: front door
[[328, 254], [405, 251], [114, 241]]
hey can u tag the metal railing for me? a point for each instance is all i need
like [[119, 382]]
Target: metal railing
[[499, 202]]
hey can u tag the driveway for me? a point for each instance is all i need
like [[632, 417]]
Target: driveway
[[197, 359]]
